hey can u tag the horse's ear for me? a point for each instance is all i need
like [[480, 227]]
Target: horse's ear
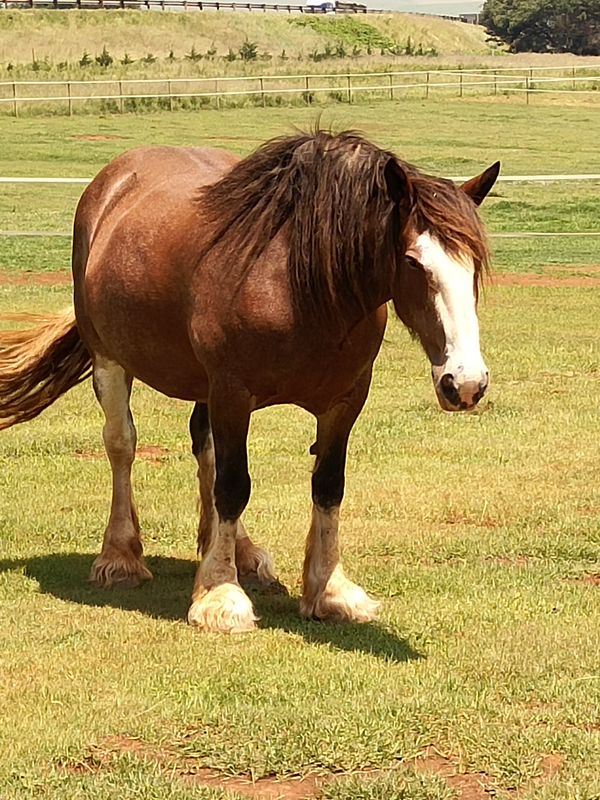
[[399, 185], [478, 187]]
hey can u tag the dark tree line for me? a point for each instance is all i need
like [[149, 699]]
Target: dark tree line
[[544, 26]]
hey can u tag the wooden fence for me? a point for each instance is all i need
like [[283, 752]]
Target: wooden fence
[[319, 7], [116, 95]]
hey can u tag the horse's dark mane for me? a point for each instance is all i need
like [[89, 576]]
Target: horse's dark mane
[[329, 194]]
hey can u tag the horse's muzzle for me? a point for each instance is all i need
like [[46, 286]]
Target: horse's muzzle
[[461, 391]]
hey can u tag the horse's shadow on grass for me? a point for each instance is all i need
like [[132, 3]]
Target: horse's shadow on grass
[[64, 575]]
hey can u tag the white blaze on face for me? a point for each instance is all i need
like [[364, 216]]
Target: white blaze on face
[[452, 278]]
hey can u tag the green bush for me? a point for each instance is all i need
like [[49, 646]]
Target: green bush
[[104, 59]]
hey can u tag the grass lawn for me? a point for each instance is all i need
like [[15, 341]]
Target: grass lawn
[[479, 533]]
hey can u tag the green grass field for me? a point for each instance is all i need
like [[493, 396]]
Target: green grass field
[[479, 533]]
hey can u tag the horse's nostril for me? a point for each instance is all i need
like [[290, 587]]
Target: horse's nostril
[[449, 389]]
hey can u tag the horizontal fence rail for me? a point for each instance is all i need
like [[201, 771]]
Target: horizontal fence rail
[[498, 235], [507, 178], [116, 95]]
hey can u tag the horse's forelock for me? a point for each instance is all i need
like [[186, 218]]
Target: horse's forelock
[[446, 211]]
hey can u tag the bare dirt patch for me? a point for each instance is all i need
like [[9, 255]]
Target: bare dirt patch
[[552, 277], [468, 785], [28, 278], [147, 452], [546, 281], [97, 137], [550, 764], [589, 579], [432, 762], [187, 770]]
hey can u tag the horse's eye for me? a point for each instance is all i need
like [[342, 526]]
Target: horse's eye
[[413, 263]]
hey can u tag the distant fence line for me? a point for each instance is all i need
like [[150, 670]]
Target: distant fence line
[[319, 7], [120, 95]]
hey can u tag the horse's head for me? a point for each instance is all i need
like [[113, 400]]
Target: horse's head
[[436, 288]]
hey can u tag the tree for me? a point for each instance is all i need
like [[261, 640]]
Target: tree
[[544, 26]]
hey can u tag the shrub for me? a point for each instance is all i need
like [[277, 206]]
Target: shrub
[[104, 59], [248, 51], [193, 55], [38, 66]]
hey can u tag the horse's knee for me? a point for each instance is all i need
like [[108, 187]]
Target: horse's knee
[[232, 492], [328, 478]]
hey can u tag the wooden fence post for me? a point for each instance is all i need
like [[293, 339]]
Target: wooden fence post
[[348, 80], [170, 95], [391, 77], [427, 86], [70, 102], [15, 108], [262, 92]]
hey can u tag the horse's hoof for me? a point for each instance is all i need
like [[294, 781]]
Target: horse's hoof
[[340, 601], [223, 609], [119, 574]]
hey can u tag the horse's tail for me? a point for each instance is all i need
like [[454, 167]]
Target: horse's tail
[[38, 365]]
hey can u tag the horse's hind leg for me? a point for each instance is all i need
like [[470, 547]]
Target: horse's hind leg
[[254, 564], [326, 592], [120, 563]]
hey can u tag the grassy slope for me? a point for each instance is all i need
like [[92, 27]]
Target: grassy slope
[[63, 36], [476, 531]]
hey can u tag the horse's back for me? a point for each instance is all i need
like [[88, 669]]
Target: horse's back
[[136, 233], [145, 173]]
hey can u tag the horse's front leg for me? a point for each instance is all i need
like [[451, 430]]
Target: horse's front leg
[[218, 601], [326, 592], [254, 563], [120, 563]]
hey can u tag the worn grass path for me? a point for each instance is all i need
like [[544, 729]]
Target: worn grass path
[[480, 534]]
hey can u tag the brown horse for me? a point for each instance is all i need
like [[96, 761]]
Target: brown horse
[[238, 284]]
